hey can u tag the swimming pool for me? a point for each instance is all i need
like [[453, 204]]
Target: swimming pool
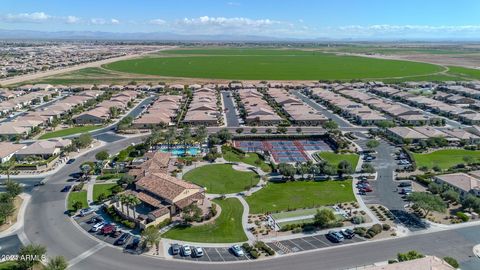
[[181, 151]]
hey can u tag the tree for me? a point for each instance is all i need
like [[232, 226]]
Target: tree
[[427, 202], [385, 124], [253, 130], [344, 167], [113, 111], [126, 179], [13, 189], [224, 135], [281, 129], [411, 255], [303, 169], [76, 205], [57, 263], [299, 130], [435, 188], [152, 236], [368, 168], [30, 255], [239, 130], [268, 130], [7, 208], [83, 140], [471, 203], [330, 125], [102, 155], [371, 144], [451, 196], [201, 134], [324, 217], [133, 201], [287, 170], [170, 136]]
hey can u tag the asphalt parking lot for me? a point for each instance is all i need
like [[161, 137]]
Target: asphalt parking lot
[[307, 243], [214, 254], [86, 225]]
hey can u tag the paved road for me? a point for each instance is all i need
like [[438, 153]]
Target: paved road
[[342, 123], [46, 224], [230, 113]]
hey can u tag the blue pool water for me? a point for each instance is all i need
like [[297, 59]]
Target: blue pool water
[[181, 151]]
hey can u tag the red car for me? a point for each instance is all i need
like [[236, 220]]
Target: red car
[[108, 229]]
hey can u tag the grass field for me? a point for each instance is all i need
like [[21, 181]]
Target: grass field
[[80, 196], [102, 188], [249, 158], [264, 64], [68, 131], [468, 73], [334, 158], [295, 195], [227, 228], [444, 158], [221, 178]]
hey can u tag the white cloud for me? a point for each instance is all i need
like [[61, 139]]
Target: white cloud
[[158, 22], [233, 4], [114, 21], [102, 21], [72, 19], [226, 22], [27, 17]]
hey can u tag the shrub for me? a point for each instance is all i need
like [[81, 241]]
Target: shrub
[[254, 254], [377, 228], [358, 219], [462, 216], [385, 227], [246, 247], [451, 261]]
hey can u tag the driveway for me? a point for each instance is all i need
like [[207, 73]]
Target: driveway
[[230, 112]]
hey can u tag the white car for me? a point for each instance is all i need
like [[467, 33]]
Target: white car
[[86, 211], [237, 250], [186, 251], [197, 252], [98, 226]]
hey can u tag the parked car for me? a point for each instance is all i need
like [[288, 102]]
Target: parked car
[[70, 161], [197, 252], [108, 229], [39, 183], [335, 237], [66, 188], [134, 244], [123, 239], [237, 250], [116, 233], [86, 211], [405, 184], [186, 251], [348, 233], [98, 226], [362, 192], [175, 249], [95, 219]]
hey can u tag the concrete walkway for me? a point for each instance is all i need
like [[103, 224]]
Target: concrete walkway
[[90, 185], [245, 225]]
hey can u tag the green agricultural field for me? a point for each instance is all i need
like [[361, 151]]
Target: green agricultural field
[[445, 158], [221, 178], [263, 64], [249, 158], [80, 196], [102, 188], [334, 158], [68, 132], [227, 228], [468, 73], [299, 194]]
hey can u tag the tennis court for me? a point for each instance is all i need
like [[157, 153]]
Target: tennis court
[[287, 151]]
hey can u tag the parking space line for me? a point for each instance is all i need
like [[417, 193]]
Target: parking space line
[[299, 247], [309, 243], [220, 254], [206, 253], [320, 240]]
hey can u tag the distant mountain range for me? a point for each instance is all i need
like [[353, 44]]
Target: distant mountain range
[[153, 36]]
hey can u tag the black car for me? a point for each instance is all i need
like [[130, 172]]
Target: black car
[[70, 161], [134, 244], [175, 249], [405, 184], [335, 237], [66, 188], [122, 239], [348, 233]]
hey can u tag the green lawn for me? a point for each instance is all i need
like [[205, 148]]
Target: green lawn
[[227, 228], [102, 188], [444, 158], [299, 194], [334, 158], [77, 196], [68, 131], [465, 72], [249, 158], [221, 178], [9, 265], [265, 64]]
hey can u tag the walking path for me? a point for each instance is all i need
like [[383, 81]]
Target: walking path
[[90, 186]]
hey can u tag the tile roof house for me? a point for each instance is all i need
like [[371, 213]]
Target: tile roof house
[[43, 149], [462, 182], [8, 149], [404, 133], [425, 263], [203, 108]]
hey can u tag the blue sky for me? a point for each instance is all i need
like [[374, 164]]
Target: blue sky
[[281, 18]]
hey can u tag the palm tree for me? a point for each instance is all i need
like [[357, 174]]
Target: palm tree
[[57, 263], [170, 136], [134, 201], [201, 134], [186, 137], [122, 198], [152, 236]]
